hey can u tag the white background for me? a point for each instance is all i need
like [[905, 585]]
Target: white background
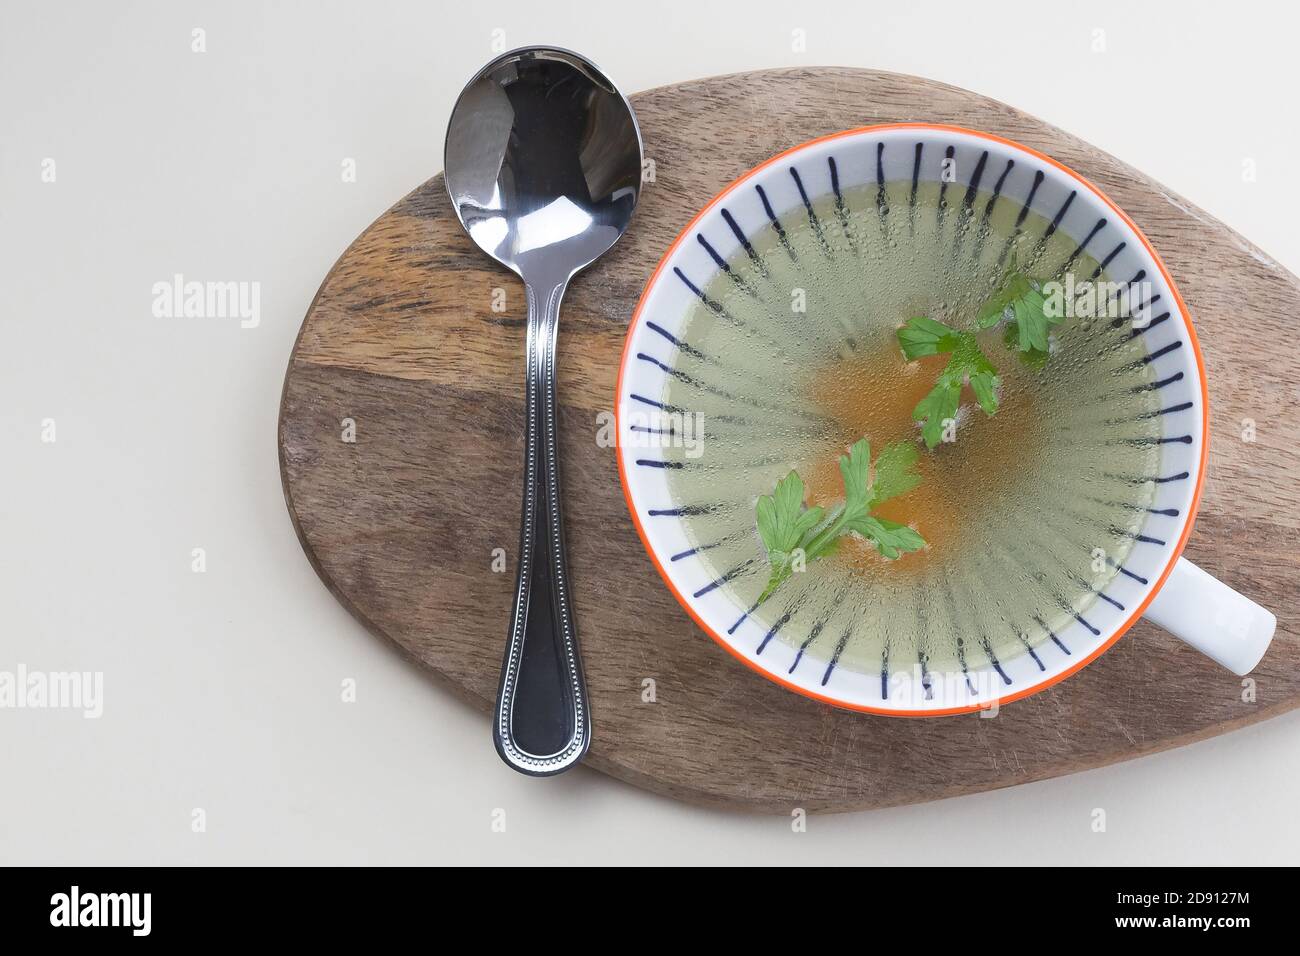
[[222, 689]]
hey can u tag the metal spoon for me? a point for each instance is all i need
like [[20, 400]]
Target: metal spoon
[[543, 164]]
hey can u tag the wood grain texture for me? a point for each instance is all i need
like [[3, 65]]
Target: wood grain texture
[[401, 524]]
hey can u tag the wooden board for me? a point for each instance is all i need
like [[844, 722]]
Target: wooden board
[[401, 524]]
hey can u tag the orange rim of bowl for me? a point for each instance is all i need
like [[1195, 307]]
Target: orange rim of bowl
[[903, 712]]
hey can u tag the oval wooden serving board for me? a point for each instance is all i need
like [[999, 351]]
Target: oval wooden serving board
[[402, 523]]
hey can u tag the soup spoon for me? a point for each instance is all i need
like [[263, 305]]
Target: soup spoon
[[543, 164]]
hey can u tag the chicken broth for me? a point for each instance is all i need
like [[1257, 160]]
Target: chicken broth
[[793, 357]]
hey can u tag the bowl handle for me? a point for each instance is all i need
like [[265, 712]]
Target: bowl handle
[[1213, 618]]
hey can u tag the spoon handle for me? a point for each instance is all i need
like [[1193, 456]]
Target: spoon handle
[[543, 723]]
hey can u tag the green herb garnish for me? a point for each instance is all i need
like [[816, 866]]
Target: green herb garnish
[[1019, 301], [922, 336], [795, 535], [1025, 305]]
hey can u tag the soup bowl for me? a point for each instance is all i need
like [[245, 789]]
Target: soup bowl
[[807, 188]]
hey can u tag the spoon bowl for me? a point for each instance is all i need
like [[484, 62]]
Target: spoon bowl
[[543, 161]]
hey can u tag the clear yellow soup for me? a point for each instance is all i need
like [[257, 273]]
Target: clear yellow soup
[[1026, 515]]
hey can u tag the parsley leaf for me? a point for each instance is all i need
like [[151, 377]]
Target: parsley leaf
[[1025, 305], [922, 336], [785, 526], [789, 530], [968, 361], [895, 472], [890, 538], [855, 472], [937, 407], [1012, 287]]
